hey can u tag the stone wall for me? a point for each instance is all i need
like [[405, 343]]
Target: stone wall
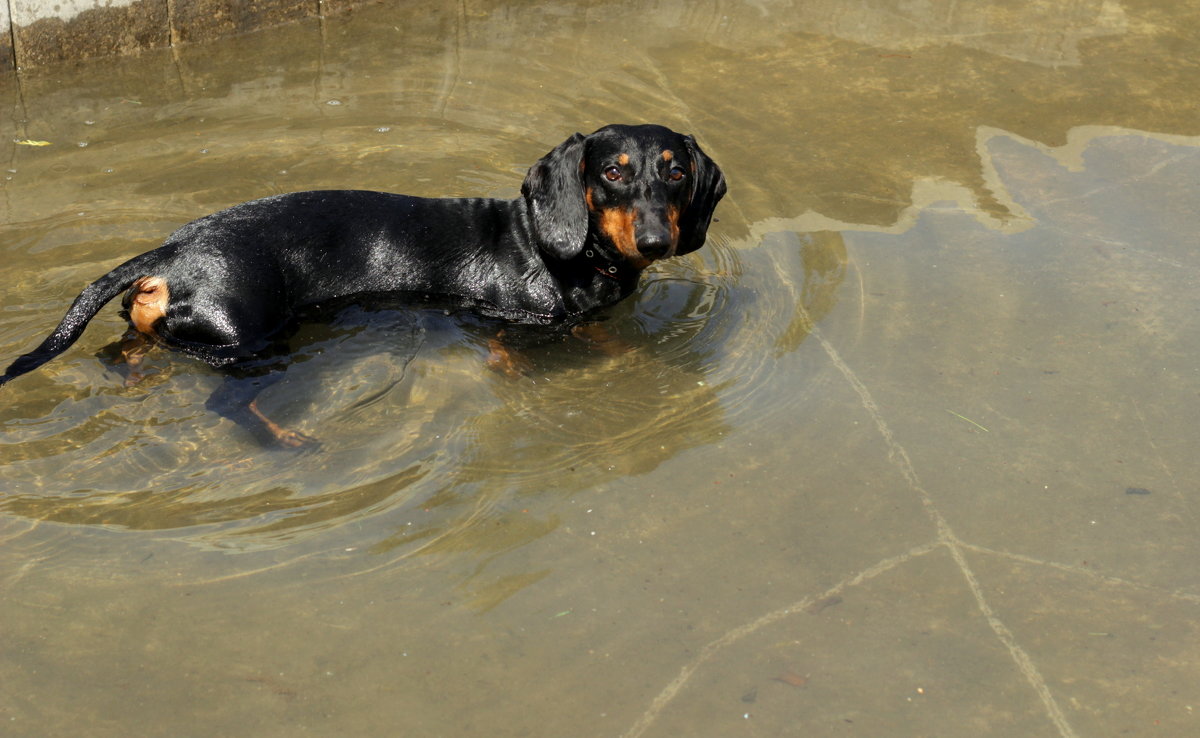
[[39, 32]]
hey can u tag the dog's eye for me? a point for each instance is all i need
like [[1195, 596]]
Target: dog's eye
[[675, 174], [612, 174]]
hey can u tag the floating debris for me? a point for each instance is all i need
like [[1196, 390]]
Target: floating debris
[[791, 678], [972, 422], [820, 605]]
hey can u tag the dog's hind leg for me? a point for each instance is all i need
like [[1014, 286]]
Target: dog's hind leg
[[289, 437], [133, 348], [237, 399]]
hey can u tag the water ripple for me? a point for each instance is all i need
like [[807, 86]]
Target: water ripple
[[420, 443]]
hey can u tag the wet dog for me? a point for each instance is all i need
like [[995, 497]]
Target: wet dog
[[593, 213]]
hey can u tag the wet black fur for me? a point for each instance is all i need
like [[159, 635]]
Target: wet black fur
[[237, 277]]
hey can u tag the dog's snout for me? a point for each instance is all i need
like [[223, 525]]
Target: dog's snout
[[655, 236], [654, 243]]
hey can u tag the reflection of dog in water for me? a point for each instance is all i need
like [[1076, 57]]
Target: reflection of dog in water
[[594, 213]]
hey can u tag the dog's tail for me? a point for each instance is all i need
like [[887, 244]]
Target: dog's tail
[[85, 307]]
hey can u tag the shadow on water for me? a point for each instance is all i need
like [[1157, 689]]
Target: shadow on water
[[411, 421]]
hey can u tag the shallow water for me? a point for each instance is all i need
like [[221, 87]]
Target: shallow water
[[906, 450]]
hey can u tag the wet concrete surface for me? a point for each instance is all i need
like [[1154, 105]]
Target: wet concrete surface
[[866, 470]]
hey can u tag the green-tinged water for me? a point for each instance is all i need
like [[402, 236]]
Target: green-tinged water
[[906, 450]]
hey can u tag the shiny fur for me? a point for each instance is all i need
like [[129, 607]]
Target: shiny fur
[[593, 213]]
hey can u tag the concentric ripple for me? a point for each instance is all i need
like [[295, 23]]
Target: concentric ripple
[[420, 442]]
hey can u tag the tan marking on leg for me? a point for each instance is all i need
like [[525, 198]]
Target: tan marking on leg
[[285, 436], [600, 338], [147, 302], [505, 360], [134, 347]]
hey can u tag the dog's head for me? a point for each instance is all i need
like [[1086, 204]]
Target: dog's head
[[640, 193]]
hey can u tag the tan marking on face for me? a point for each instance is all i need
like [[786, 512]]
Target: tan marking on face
[[673, 221], [148, 303], [623, 159], [587, 197], [618, 225], [668, 155]]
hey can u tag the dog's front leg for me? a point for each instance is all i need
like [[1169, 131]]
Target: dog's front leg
[[505, 359], [597, 336]]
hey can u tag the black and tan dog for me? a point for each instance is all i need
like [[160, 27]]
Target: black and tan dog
[[594, 213]]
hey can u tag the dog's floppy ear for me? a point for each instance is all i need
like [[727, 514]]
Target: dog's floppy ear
[[553, 188], [708, 190]]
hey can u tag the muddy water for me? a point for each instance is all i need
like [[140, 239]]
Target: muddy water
[[907, 449]]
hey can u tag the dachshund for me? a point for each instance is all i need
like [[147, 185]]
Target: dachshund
[[593, 213]]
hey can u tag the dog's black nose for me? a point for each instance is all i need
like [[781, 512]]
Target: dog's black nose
[[653, 245]]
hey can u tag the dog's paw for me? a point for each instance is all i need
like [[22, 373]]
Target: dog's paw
[[506, 361], [292, 438]]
